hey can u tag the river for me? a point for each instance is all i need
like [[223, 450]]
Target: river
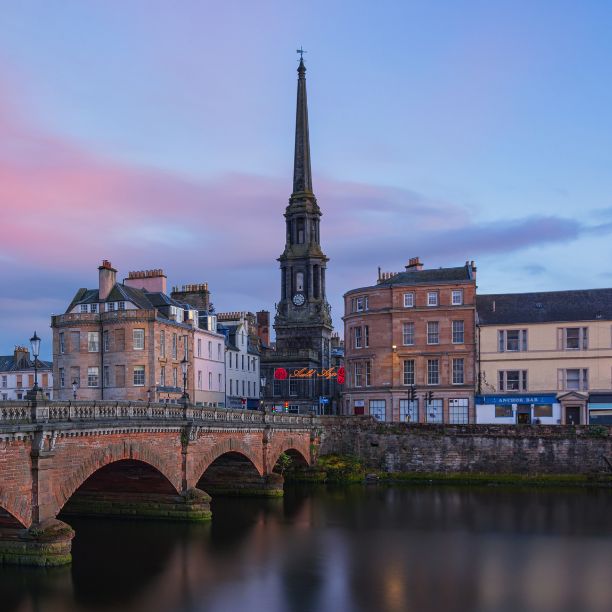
[[359, 548]]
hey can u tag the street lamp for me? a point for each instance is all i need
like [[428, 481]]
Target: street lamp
[[35, 344], [262, 392], [184, 364], [75, 384]]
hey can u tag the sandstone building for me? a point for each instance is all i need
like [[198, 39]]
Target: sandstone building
[[409, 345], [17, 375]]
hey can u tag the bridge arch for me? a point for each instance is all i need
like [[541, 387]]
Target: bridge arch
[[297, 448], [228, 446], [12, 512], [110, 455]]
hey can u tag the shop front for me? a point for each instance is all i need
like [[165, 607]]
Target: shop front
[[600, 408], [518, 409]]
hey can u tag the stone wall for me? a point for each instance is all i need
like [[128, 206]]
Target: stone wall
[[524, 449]]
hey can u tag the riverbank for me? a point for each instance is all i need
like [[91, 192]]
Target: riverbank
[[347, 469]]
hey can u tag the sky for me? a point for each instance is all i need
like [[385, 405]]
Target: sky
[[160, 135]]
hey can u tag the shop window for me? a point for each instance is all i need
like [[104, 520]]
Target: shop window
[[434, 410], [409, 411], [378, 409], [458, 411], [503, 412]]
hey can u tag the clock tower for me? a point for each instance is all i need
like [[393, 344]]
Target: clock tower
[[302, 323]]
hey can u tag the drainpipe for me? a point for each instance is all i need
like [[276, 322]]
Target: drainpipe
[[101, 379]]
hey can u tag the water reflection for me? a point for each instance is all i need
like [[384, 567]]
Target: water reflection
[[361, 548]]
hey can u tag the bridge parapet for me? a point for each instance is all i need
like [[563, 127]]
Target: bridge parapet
[[23, 412]]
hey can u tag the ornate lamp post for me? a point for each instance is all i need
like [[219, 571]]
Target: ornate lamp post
[[75, 385], [35, 344], [184, 365]]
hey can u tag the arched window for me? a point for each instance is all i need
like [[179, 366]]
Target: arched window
[[299, 281]]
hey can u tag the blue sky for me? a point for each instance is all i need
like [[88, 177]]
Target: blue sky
[[160, 134]]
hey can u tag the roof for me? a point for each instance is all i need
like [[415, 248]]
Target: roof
[[434, 276], [8, 364], [544, 307]]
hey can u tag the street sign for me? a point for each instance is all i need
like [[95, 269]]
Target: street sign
[[323, 400]]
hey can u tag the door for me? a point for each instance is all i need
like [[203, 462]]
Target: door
[[523, 414], [572, 415]]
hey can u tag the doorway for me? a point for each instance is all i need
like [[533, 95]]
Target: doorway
[[523, 414], [572, 415]]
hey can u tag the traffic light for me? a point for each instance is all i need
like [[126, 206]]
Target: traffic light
[[286, 406], [412, 393], [429, 397], [243, 401]]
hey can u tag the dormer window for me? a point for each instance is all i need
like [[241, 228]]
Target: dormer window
[[110, 306], [93, 308], [83, 307], [121, 306]]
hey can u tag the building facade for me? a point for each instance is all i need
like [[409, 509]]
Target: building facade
[[545, 357], [17, 375], [409, 346], [242, 359], [208, 371], [302, 322], [124, 341]]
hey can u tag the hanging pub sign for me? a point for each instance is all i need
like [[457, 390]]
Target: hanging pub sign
[[309, 373]]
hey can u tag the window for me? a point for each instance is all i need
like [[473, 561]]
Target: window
[[62, 379], [92, 377], [368, 373], [299, 281], [93, 308], [120, 340], [409, 411], [110, 306], [209, 349], [276, 388], [175, 377], [408, 334], [434, 411], [93, 342], [231, 386], [432, 298], [358, 374], [512, 340], [574, 379], [242, 362], [542, 410], [83, 307], [19, 382], [575, 338], [220, 380], [210, 381], [378, 409], [409, 300], [106, 376], [162, 344], [243, 388], [293, 387], [458, 332], [503, 412], [457, 297], [409, 371], [357, 337], [512, 380], [139, 376], [199, 379], [458, 371], [75, 341], [62, 343], [174, 347], [121, 306], [361, 304], [433, 332], [433, 372], [366, 335], [219, 352], [162, 376], [185, 347], [120, 376], [106, 341], [458, 411], [138, 335], [199, 347]]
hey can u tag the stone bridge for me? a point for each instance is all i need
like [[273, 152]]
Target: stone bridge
[[158, 461]]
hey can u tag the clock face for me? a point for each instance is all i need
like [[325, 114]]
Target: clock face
[[298, 299]]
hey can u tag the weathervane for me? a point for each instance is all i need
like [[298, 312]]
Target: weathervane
[[301, 52]]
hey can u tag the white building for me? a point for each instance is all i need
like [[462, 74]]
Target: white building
[[242, 360], [208, 366], [17, 375]]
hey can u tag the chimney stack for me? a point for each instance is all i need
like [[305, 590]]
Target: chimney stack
[[153, 281], [263, 326], [107, 279], [414, 263]]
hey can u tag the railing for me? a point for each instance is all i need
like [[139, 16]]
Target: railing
[[20, 412]]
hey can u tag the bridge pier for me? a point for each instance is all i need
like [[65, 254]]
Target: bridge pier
[[191, 506], [270, 485], [45, 544]]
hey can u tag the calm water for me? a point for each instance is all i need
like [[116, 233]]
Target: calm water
[[361, 548]]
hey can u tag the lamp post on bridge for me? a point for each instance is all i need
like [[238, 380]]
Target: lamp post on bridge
[[35, 393], [74, 389], [185, 396]]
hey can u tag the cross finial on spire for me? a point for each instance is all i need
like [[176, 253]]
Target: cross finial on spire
[[301, 52]]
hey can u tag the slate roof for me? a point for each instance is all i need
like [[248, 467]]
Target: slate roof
[[433, 276], [8, 364], [544, 307]]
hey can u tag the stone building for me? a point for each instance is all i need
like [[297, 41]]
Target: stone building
[[302, 322], [17, 375], [410, 345], [123, 341], [242, 359], [545, 356]]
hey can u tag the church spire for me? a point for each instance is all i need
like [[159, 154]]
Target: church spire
[[302, 177]]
